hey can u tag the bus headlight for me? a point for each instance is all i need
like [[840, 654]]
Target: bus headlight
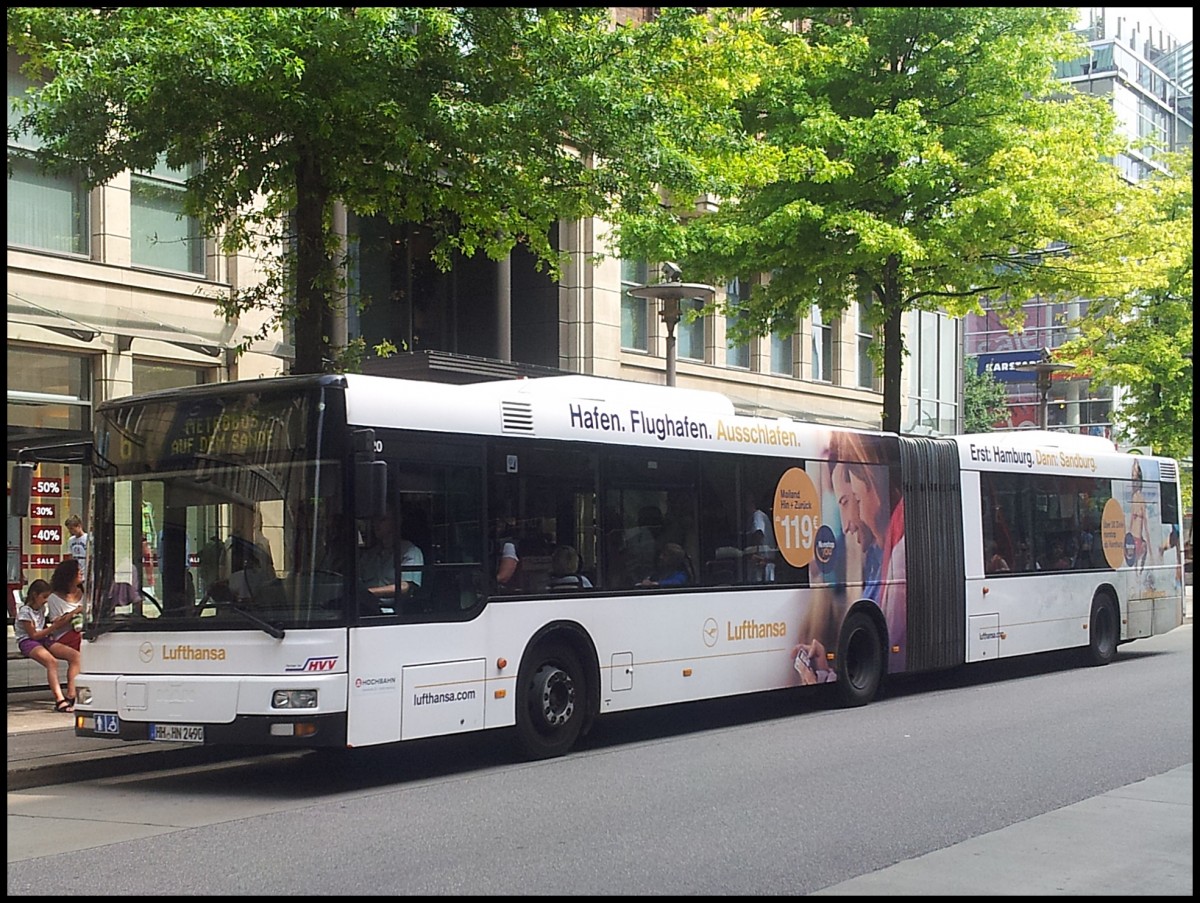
[[294, 699], [83, 695]]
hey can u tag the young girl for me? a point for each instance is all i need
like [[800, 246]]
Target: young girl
[[33, 639]]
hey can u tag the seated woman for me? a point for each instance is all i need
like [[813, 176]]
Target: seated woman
[[994, 562], [564, 570], [672, 568]]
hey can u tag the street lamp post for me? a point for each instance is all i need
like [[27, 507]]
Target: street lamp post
[[1043, 370], [671, 294]]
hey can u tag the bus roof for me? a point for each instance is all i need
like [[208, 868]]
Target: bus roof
[[576, 386], [579, 408], [1044, 439]]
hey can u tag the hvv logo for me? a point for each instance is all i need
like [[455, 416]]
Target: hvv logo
[[324, 663]]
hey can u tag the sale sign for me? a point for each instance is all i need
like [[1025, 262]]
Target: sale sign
[[47, 486], [45, 534]]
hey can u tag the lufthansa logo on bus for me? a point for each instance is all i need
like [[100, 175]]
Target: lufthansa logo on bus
[[755, 630], [193, 653], [711, 632], [146, 652]]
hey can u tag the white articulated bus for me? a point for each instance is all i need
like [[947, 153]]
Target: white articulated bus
[[325, 561]]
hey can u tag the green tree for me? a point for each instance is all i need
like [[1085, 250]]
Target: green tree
[[484, 124], [984, 399], [1141, 341], [928, 156]]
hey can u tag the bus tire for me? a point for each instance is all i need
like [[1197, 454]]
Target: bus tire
[[1103, 630], [551, 702], [860, 661]]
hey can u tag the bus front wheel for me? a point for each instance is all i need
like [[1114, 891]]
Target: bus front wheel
[[860, 661], [551, 700], [1103, 630]]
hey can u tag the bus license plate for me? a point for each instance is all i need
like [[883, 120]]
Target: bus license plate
[[177, 733], [108, 724]]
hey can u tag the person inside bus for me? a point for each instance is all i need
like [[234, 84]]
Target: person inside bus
[[1086, 543], [672, 568], [508, 562], [1025, 560], [639, 544], [262, 545], [761, 550], [1058, 559], [994, 562], [252, 571], [564, 570], [377, 561]]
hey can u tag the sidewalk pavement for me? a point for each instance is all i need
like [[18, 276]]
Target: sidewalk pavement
[[43, 748]]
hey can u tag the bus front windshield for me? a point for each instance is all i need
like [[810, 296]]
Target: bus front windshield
[[219, 511]]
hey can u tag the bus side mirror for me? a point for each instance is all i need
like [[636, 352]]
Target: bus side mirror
[[21, 490], [370, 489], [362, 443]]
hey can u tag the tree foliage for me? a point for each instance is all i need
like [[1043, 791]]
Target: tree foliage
[[927, 156], [984, 399], [486, 125], [1141, 341]]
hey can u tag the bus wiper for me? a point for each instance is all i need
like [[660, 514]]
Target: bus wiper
[[97, 628], [254, 619]]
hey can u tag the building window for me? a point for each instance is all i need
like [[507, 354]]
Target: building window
[[150, 376], [163, 236], [737, 354], [635, 335], [822, 348], [48, 392], [690, 333], [865, 337], [932, 369], [47, 212], [782, 353]]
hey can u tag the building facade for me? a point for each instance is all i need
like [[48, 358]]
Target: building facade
[[1146, 74]]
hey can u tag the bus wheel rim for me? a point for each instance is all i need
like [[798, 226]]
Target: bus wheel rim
[[555, 694]]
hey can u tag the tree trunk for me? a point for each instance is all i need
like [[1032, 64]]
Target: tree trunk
[[893, 366], [312, 325], [893, 348]]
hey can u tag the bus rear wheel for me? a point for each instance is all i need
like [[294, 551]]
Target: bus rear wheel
[[1103, 630], [551, 701], [860, 661]]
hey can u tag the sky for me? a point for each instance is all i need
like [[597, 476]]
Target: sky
[[1175, 20]]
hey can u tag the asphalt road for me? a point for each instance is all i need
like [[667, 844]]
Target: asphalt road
[[1011, 778]]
